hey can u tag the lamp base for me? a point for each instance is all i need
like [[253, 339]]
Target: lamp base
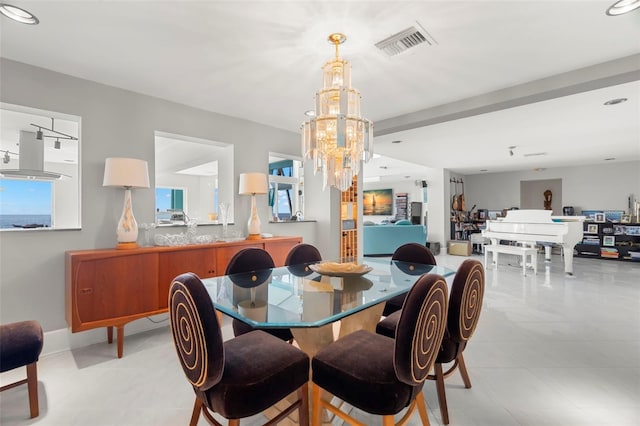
[[254, 237], [127, 246]]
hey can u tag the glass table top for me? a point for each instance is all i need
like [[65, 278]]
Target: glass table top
[[296, 297]]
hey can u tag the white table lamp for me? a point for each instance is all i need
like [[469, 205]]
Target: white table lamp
[[253, 184], [126, 173]]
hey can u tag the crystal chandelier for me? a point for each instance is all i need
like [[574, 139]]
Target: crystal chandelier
[[337, 138]]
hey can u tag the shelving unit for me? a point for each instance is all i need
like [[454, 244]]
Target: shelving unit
[[402, 205], [608, 240], [348, 221]]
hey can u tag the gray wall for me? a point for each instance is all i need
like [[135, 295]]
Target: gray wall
[[604, 186], [532, 194], [115, 123]]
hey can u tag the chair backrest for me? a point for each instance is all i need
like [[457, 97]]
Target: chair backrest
[[414, 252], [249, 259], [196, 331], [420, 329], [302, 253], [465, 304]]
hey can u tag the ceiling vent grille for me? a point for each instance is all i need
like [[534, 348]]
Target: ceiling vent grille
[[404, 40]]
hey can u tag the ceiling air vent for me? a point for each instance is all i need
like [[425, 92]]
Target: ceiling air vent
[[404, 40]]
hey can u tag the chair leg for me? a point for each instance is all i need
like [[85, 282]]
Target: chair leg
[[316, 405], [32, 386], [442, 396], [422, 409], [387, 421], [463, 371], [195, 415], [303, 408]]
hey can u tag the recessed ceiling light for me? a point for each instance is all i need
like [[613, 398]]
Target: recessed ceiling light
[[18, 14], [310, 113], [623, 6], [615, 101], [610, 159], [396, 141]]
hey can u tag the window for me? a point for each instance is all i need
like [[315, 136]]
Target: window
[[39, 172], [285, 188], [192, 177], [25, 204]]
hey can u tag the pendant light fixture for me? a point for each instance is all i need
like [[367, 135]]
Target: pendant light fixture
[[337, 139]]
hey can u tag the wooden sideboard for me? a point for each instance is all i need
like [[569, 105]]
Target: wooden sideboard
[[110, 288]]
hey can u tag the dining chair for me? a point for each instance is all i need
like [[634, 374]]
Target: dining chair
[[229, 378], [20, 346], [299, 258], [380, 375], [411, 253], [465, 304], [248, 260]]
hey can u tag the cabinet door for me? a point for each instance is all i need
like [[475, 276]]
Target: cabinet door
[[279, 249], [224, 254], [200, 261], [116, 287]]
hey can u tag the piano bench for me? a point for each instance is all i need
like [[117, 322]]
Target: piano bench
[[532, 252]]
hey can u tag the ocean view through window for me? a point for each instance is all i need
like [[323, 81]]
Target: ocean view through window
[[25, 204]]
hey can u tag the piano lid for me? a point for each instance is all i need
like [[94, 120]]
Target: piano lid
[[528, 216]]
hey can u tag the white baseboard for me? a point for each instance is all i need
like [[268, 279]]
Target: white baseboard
[[63, 339]]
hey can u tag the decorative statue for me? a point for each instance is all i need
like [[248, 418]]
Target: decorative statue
[[547, 199]]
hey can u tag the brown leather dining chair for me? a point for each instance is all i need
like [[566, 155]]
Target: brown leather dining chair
[[380, 375], [411, 253], [240, 377], [20, 346], [465, 304], [248, 260]]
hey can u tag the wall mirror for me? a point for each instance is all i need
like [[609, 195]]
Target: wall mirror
[[40, 171], [286, 188], [193, 176]]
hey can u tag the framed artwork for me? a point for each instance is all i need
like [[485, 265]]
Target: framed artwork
[[625, 218], [599, 217], [609, 240], [592, 229], [377, 202]]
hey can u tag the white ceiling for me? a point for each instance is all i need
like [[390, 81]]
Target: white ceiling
[[261, 61]]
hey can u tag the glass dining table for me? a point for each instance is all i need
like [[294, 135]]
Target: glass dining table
[[318, 308]]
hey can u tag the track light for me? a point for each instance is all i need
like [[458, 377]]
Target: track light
[[511, 152], [56, 144], [511, 148], [40, 135], [6, 158]]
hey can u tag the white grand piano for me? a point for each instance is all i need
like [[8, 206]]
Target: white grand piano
[[533, 226]]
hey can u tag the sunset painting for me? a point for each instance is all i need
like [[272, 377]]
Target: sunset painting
[[377, 202]]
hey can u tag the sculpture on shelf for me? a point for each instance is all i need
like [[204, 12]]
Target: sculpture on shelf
[[547, 199]]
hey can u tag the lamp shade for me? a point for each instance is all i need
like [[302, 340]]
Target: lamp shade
[[126, 172], [252, 183]]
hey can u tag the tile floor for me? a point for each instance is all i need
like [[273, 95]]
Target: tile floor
[[548, 350]]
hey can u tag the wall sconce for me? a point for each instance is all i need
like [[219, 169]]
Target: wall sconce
[[253, 184], [126, 173]]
